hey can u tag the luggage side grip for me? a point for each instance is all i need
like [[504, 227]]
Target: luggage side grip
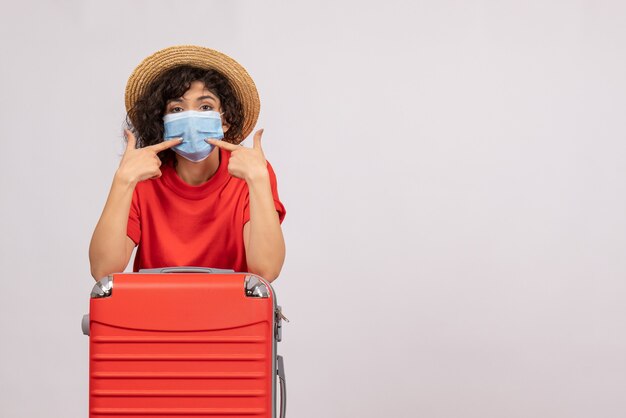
[[280, 370], [103, 287], [255, 288]]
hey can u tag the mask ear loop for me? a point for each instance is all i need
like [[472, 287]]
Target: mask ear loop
[[221, 118]]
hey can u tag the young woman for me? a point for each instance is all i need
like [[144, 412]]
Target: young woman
[[203, 200]]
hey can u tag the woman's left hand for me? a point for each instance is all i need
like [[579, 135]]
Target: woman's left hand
[[244, 163]]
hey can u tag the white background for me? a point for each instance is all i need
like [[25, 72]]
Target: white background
[[453, 173]]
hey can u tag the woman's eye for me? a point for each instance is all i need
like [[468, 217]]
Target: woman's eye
[[206, 107], [174, 109]]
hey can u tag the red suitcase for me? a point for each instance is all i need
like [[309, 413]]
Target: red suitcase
[[184, 341]]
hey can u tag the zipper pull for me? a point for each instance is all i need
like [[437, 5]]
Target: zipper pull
[[279, 311]]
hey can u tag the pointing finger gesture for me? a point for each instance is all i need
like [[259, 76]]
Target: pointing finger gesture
[[245, 163], [140, 164]]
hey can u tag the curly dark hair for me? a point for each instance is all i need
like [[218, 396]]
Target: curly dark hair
[[145, 118]]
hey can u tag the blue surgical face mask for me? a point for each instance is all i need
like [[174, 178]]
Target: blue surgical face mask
[[193, 127]]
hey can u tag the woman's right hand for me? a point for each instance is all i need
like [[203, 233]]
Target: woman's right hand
[[142, 163]]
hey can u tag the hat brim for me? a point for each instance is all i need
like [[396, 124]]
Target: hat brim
[[243, 85]]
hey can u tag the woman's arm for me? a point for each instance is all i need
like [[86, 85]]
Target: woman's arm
[[109, 247], [263, 236]]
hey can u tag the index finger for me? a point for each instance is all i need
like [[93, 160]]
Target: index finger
[[223, 144], [165, 144]]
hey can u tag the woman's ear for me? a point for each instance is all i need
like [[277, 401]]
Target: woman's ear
[[225, 126]]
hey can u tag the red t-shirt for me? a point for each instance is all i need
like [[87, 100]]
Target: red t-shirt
[[177, 224]]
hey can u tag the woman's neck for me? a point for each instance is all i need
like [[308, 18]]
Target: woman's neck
[[195, 174]]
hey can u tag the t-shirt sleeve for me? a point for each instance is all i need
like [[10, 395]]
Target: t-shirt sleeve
[[133, 228], [280, 208]]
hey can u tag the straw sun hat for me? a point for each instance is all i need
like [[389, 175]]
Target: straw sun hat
[[243, 85]]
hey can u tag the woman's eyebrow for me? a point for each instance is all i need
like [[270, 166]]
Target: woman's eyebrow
[[180, 99]]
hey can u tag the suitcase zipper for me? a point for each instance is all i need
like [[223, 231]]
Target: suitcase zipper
[[280, 313], [278, 326]]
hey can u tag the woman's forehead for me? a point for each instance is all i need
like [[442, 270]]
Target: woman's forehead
[[197, 92]]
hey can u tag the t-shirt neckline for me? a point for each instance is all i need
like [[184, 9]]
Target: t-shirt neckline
[[174, 182]]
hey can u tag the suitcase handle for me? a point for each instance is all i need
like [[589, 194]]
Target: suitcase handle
[[283, 386], [186, 269]]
